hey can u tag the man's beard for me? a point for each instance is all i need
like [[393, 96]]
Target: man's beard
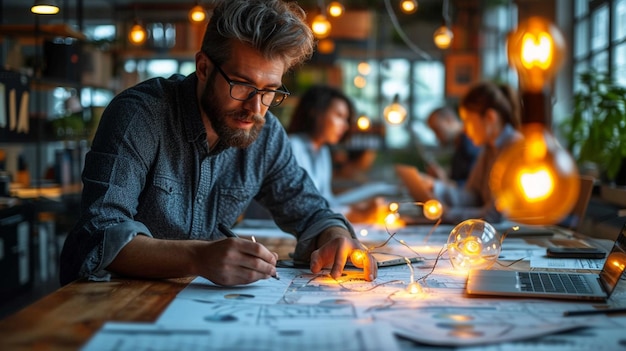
[[239, 138]]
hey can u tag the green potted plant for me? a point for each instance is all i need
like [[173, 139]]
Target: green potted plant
[[596, 131]]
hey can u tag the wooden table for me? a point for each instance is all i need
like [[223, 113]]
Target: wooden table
[[67, 318]]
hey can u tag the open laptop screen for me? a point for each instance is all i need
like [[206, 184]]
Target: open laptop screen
[[614, 264]]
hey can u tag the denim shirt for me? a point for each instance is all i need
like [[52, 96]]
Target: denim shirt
[[150, 171]]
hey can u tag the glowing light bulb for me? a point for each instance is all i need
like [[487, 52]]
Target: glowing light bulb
[[432, 209], [536, 51], [137, 34], [414, 288], [320, 26], [364, 68], [534, 180], [395, 113], [443, 37], [474, 244], [393, 207], [363, 232], [360, 82], [363, 123], [335, 9], [197, 14], [357, 257], [391, 218], [408, 6]]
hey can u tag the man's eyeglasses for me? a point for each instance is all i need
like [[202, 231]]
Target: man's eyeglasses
[[243, 91]]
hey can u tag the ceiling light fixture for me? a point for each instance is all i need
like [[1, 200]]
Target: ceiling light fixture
[[408, 6], [443, 35], [336, 9], [45, 7], [137, 34], [197, 13]]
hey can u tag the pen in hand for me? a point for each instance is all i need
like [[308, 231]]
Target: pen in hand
[[229, 233]]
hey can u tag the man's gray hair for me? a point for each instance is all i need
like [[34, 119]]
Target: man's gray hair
[[276, 28]]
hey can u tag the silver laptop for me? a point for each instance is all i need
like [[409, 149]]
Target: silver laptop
[[559, 285]]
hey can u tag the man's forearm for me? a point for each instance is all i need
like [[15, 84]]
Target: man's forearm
[[155, 258]]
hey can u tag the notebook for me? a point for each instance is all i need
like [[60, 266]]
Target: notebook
[[559, 285]]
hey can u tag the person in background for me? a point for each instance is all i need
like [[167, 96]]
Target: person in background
[[321, 119], [173, 159], [448, 129], [491, 118]]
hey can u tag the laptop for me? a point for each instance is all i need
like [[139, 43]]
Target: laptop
[[558, 285]]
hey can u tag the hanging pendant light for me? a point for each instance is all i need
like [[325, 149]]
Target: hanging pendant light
[[395, 113], [45, 7], [197, 13], [137, 34]]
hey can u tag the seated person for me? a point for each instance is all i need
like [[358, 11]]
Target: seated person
[[174, 158], [321, 120], [491, 117], [448, 129]]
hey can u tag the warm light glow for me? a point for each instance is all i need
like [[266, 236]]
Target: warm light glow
[[538, 185], [392, 218], [532, 184], [45, 7], [534, 180], [414, 288], [474, 244], [137, 34], [357, 257], [363, 123], [335, 9], [395, 113], [326, 46], [320, 26], [408, 6], [432, 209], [443, 37], [197, 14], [364, 68], [363, 232], [360, 82], [393, 207], [536, 51]]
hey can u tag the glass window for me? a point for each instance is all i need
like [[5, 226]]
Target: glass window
[[581, 8], [600, 28], [581, 39], [429, 89], [619, 64], [600, 61], [619, 20]]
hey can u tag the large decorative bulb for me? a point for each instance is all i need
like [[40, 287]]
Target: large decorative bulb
[[535, 181], [474, 244], [536, 51]]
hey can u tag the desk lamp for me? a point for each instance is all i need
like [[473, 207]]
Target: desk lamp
[[474, 244], [534, 180]]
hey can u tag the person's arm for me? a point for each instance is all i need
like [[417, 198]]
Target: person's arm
[[230, 261]]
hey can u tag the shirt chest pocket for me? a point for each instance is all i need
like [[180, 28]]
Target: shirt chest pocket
[[232, 202], [167, 202]]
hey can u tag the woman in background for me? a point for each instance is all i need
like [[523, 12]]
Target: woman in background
[[491, 117], [322, 118]]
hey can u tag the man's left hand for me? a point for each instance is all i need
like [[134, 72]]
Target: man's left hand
[[335, 246]]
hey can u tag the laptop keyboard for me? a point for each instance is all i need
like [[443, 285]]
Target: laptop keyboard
[[569, 283]]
